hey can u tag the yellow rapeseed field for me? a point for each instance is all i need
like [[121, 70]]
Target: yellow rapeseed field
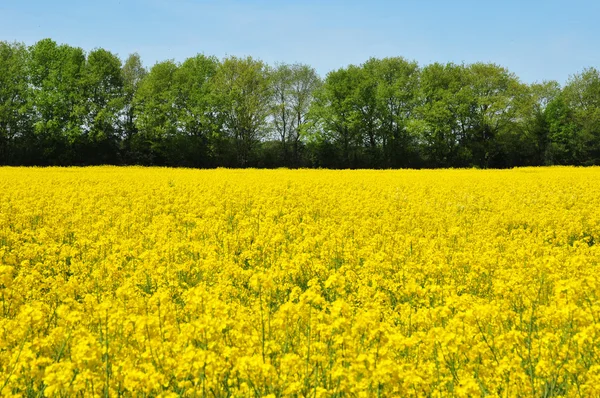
[[163, 282]]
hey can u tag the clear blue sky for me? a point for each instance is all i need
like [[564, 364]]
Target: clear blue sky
[[537, 40]]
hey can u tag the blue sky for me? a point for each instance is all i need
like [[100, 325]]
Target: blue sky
[[538, 40]]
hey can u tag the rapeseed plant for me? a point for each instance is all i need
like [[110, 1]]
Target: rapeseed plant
[[160, 282]]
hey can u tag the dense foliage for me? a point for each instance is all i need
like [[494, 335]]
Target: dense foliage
[[303, 283], [61, 106]]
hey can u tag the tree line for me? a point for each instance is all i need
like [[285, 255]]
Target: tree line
[[62, 106]]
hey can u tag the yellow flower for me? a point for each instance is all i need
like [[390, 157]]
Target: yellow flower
[[299, 283]]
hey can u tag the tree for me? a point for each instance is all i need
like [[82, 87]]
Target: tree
[[466, 111], [14, 96], [283, 117], [102, 83], [497, 94], [365, 111], [242, 96], [58, 100], [293, 90], [305, 84], [334, 118], [197, 119], [444, 115], [528, 143], [581, 118], [133, 73], [364, 115], [566, 146], [397, 96], [156, 115]]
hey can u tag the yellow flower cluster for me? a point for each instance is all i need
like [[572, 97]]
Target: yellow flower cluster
[[161, 282]]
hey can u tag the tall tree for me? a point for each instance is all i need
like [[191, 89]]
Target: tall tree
[[174, 112], [566, 146], [365, 116], [528, 142], [293, 90], [156, 115], [305, 84], [283, 118], [444, 115], [14, 121], [58, 99], [103, 87], [581, 97], [365, 111], [397, 96], [242, 94], [197, 120], [497, 93], [465, 111], [133, 73], [334, 115]]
